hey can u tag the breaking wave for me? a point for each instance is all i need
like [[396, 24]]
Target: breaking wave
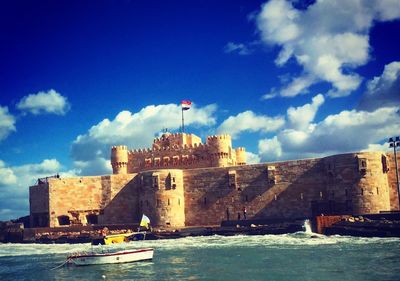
[[295, 240]]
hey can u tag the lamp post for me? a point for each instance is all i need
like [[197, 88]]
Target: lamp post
[[395, 142]]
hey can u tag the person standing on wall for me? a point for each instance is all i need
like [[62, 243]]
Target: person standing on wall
[[244, 212]]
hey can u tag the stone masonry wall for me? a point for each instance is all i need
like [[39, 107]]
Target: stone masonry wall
[[354, 183], [161, 197], [39, 205], [275, 190], [394, 199], [291, 189], [353, 188], [78, 197], [371, 191]]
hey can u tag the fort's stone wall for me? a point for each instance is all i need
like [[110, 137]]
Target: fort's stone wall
[[358, 182], [275, 190], [394, 199], [354, 183], [109, 198], [39, 205]]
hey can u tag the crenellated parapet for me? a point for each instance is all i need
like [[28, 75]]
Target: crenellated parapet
[[178, 151]]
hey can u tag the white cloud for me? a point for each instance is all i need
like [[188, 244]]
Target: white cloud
[[15, 182], [252, 158], [383, 90], [347, 131], [7, 175], [7, 123], [270, 149], [377, 147], [250, 122], [44, 102], [136, 130], [97, 166], [270, 95], [301, 117], [298, 85], [239, 48], [320, 38]]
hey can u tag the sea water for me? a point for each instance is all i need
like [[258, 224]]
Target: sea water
[[298, 256]]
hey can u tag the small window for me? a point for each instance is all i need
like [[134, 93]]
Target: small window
[[205, 200], [301, 196], [155, 181], [63, 220], [179, 201], [377, 190], [384, 164], [92, 219], [168, 202], [232, 179]]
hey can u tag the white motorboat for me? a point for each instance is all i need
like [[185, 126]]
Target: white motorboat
[[91, 258]]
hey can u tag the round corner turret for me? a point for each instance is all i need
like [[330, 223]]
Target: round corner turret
[[119, 159]]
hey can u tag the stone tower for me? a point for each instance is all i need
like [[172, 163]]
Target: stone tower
[[220, 150], [240, 156], [119, 159]]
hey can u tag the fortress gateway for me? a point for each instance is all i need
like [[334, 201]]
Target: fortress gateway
[[182, 182]]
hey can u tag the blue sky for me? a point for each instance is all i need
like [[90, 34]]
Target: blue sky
[[287, 79]]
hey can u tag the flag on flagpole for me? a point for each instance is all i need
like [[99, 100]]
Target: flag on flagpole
[[145, 221], [186, 104]]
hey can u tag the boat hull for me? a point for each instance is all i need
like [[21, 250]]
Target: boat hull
[[119, 238], [115, 257]]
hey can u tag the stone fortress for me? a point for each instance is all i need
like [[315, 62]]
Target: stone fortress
[[182, 182]]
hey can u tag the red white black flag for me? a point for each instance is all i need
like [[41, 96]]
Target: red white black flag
[[186, 104]]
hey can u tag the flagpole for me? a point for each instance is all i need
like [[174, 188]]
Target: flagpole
[[183, 122]]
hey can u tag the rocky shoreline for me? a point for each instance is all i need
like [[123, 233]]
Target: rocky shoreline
[[362, 226], [16, 233]]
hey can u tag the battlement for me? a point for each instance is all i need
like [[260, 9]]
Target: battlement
[[219, 137], [178, 150], [168, 135], [119, 147]]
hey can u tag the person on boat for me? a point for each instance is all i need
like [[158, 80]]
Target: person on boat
[[104, 231]]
